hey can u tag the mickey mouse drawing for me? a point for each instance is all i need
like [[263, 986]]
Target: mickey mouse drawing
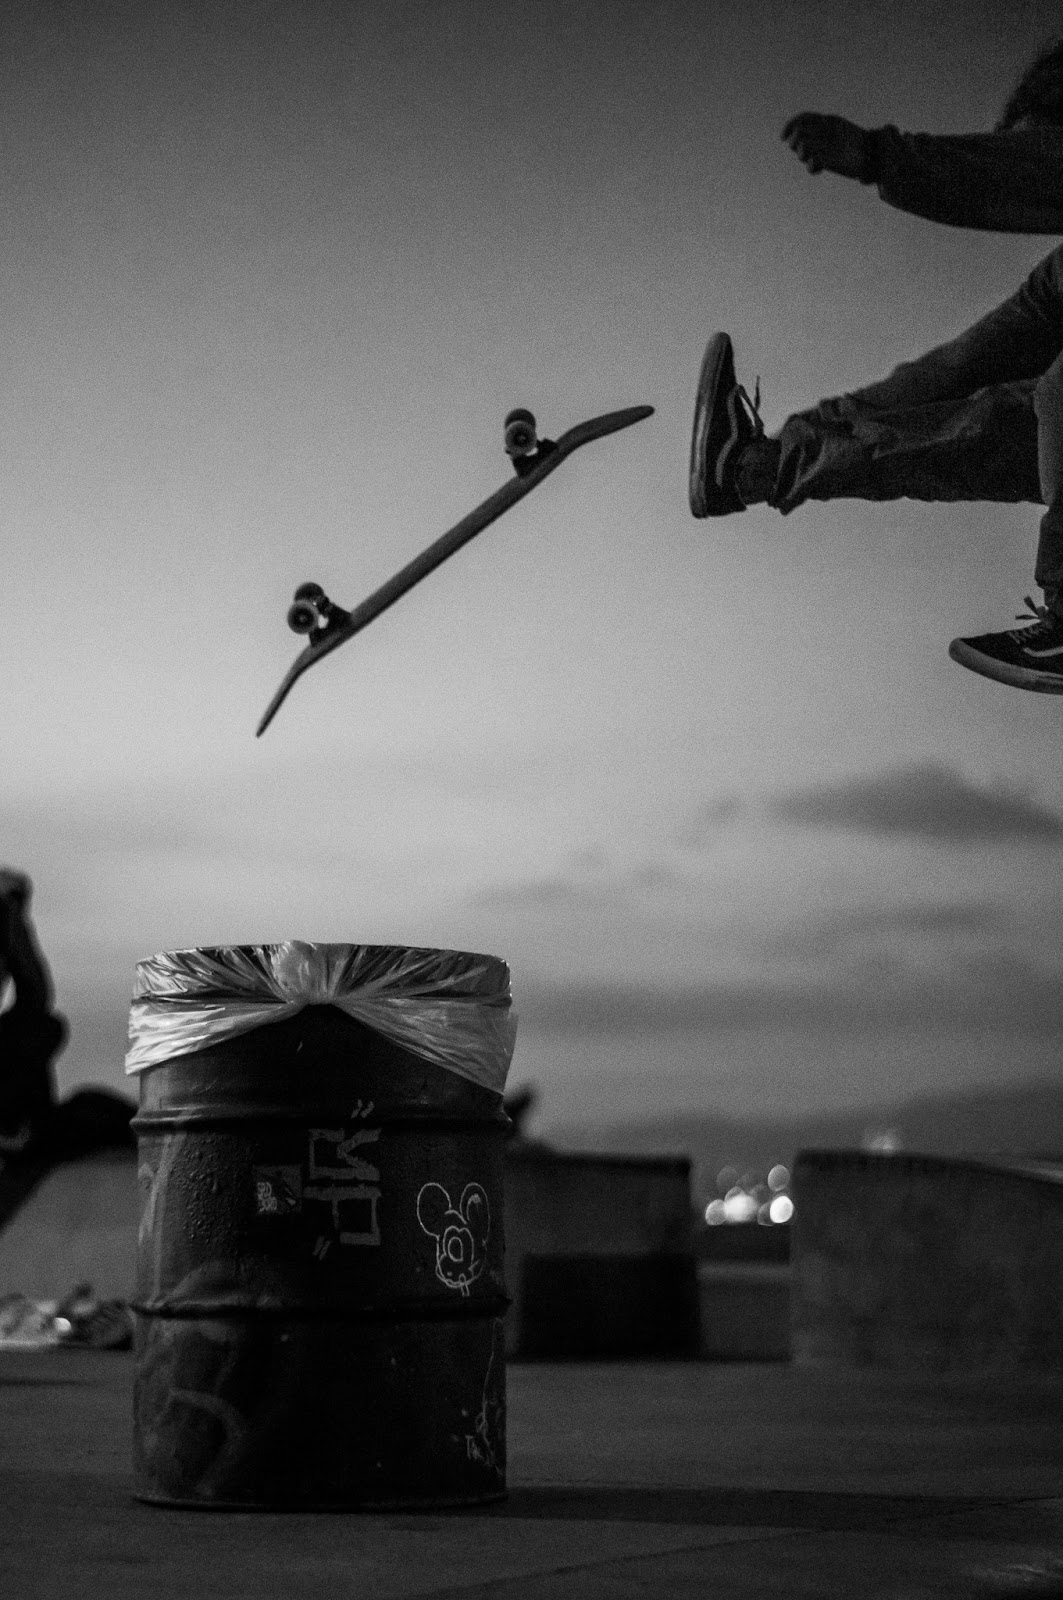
[[460, 1232]]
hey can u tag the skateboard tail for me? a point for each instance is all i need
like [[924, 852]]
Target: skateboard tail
[[273, 707]]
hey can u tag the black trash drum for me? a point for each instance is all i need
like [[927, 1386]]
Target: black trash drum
[[320, 1292]]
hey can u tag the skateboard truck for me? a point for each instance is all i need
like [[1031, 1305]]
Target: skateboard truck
[[311, 611], [522, 444]]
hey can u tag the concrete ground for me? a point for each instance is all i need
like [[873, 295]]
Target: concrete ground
[[715, 1480]]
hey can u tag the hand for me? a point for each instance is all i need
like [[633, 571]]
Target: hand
[[828, 144]]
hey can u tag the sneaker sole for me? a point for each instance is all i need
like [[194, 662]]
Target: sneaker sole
[[1003, 672], [718, 356]]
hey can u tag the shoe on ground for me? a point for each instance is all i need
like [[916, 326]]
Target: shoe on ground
[[725, 421], [1025, 658], [82, 1319]]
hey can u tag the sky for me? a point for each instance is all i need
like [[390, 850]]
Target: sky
[[272, 274]]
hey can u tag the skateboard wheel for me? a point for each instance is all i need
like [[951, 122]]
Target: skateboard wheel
[[302, 617], [310, 591], [520, 439]]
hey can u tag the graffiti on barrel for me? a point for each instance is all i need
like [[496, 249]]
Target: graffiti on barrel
[[486, 1444], [460, 1231], [278, 1191], [352, 1185], [342, 1188]]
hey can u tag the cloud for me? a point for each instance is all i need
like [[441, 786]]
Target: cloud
[[533, 894], [924, 801], [998, 993], [592, 885], [709, 820], [850, 930]]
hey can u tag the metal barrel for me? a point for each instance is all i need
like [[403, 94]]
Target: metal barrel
[[320, 1292]]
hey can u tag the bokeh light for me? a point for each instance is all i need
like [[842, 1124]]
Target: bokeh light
[[738, 1206]]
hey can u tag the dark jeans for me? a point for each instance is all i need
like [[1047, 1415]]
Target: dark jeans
[[980, 418]]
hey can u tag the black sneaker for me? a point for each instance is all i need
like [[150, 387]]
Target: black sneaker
[[725, 420], [1027, 658]]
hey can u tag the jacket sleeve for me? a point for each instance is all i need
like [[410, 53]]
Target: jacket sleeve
[[1011, 182]]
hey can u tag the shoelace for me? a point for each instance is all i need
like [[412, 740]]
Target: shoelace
[[1042, 619], [753, 408]]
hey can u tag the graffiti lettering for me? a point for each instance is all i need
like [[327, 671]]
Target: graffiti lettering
[[352, 1185]]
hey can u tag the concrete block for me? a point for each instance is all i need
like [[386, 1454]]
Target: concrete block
[[927, 1263], [601, 1208]]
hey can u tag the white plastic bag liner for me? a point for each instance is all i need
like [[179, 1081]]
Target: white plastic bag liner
[[448, 1006]]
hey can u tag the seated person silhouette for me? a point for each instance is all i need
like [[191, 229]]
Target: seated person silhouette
[[32, 1034]]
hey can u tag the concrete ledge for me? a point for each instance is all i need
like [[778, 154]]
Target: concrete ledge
[[927, 1263]]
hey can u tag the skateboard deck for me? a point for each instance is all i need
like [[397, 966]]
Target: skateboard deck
[[329, 625]]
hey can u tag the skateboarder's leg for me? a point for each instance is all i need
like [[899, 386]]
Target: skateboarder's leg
[[982, 446], [921, 431], [1017, 339], [1031, 657], [1048, 404]]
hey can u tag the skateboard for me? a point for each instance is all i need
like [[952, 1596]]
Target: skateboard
[[329, 625]]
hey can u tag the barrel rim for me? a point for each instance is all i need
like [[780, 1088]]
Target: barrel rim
[[370, 949]]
